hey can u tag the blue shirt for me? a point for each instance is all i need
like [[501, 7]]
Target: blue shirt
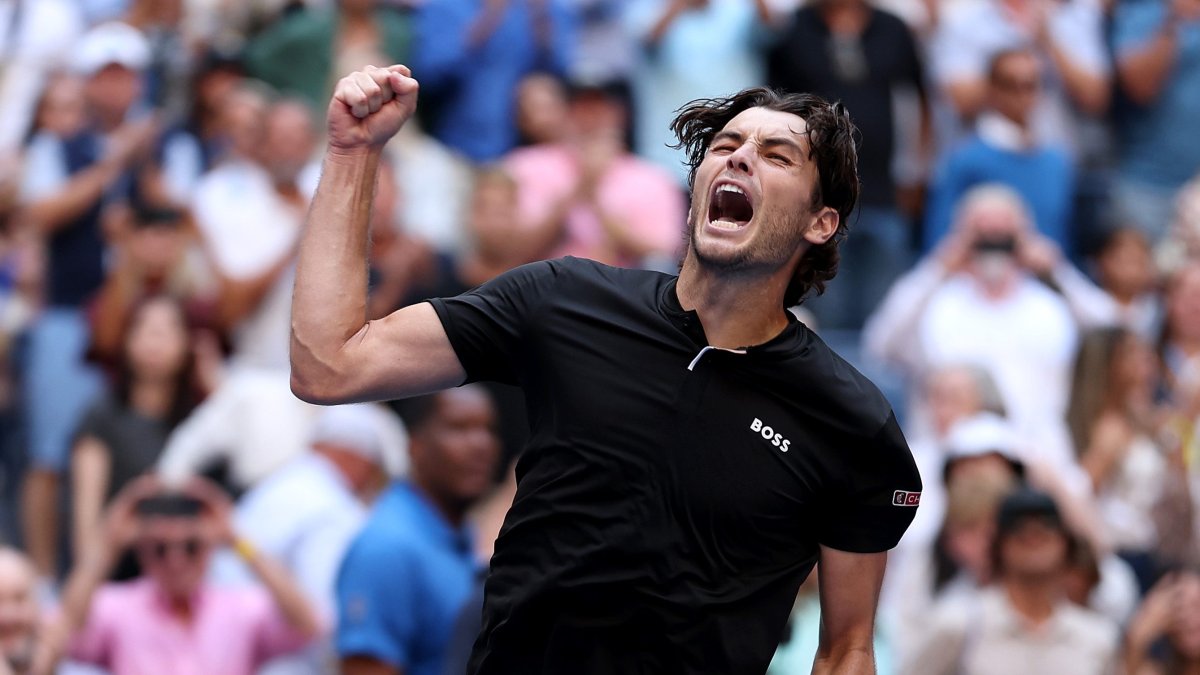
[[403, 583], [1158, 142], [1043, 176], [473, 89]]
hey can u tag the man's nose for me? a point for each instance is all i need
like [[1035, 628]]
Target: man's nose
[[742, 158]]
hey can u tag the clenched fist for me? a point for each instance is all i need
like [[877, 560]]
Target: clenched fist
[[369, 106]]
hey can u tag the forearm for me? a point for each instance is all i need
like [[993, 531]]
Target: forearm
[[73, 200], [1143, 74], [292, 603], [90, 470], [113, 304], [239, 297], [1089, 91], [329, 304]]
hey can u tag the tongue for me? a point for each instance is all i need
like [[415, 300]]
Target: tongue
[[731, 206]]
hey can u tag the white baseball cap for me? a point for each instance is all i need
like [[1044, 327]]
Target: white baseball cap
[[111, 43], [982, 434], [368, 430]]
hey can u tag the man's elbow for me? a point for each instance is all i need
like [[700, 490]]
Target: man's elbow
[[316, 389]]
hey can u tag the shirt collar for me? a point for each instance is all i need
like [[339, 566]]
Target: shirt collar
[[687, 320], [459, 538]]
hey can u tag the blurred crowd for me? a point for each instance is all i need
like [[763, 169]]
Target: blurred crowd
[[1022, 276]]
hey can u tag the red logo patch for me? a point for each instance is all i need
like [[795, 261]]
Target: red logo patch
[[905, 498]]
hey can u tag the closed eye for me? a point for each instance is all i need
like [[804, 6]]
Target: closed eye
[[786, 161]]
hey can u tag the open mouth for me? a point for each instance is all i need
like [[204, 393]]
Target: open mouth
[[729, 208]]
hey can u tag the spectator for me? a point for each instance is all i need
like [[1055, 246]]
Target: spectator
[[1025, 616], [67, 185], [410, 571], [20, 616], [849, 51], [1170, 614], [198, 139], [249, 212], [690, 49], [170, 619], [306, 514], [1157, 52], [542, 112], [956, 567], [949, 394], [977, 300], [590, 197], [124, 432], [1124, 268], [1115, 428], [1181, 330], [1004, 149], [1067, 37], [151, 255], [472, 54], [304, 52]]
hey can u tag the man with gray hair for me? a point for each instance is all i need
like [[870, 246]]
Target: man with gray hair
[[306, 513], [985, 298]]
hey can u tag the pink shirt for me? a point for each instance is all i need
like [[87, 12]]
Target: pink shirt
[[638, 194], [234, 631]]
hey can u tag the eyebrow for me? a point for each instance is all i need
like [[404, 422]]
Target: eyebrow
[[772, 141]]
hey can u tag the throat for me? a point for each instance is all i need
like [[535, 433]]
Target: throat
[[734, 315]]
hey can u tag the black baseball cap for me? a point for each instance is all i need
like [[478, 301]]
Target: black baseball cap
[[1026, 504]]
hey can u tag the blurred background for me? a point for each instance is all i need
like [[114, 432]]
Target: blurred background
[[1022, 278]]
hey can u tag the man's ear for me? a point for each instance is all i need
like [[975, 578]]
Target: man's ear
[[823, 226]]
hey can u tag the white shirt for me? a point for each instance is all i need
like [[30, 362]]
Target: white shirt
[[1026, 341], [249, 228], [253, 420], [303, 516]]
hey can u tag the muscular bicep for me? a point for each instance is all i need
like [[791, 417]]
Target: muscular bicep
[[849, 584], [406, 353]]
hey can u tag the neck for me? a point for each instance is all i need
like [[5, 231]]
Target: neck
[[845, 18], [736, 309], [1033, 599], [151, 397], [453, 510]]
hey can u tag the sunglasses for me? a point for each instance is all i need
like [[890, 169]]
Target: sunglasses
[[160, 549]]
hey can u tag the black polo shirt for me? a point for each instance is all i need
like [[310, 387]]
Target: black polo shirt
[[672, 497]]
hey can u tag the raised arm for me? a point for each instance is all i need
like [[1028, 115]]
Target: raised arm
[[849, 584], [337, 355]]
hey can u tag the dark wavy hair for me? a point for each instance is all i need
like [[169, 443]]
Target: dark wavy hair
[[831, 141]]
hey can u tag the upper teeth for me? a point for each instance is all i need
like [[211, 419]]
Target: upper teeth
[[727, 187]]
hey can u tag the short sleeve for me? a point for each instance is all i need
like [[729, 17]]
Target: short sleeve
[[375, 603], [98, 421], [1134, 24], [45, 168], [877, 496], [487, 326]]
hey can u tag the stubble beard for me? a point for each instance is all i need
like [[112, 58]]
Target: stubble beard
[[768, 250]]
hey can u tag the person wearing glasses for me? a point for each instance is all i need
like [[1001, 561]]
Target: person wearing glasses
[[170, 620]]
